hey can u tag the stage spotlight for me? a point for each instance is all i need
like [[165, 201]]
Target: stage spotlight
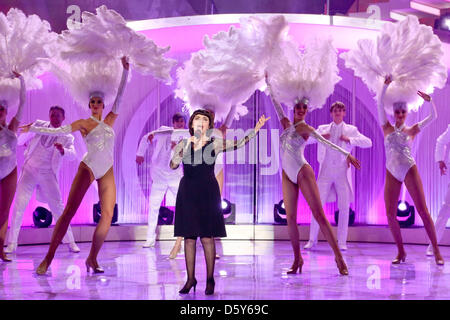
[[405, 214], [97, 213], [228, 211], [42, 218], [351, 217], [165, 216], [279, 213], [443, 22]]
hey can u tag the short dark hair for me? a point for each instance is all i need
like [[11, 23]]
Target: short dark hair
[[177, 117], [337, 104], [58, 108], [203, 113]]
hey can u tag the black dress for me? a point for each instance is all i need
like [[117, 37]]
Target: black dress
[[198, 206]]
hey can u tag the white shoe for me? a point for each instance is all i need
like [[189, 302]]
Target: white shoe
[[429, 250], [73, 247], [149, 244], [310, 245], [11, 248], [343, 247]]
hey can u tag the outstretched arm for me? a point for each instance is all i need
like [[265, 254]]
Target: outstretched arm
[[61, 131], [223, 145], [329, 144], [14, 124]]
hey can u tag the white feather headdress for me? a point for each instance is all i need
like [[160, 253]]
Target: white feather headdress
[[406, 50], [230, 67], [311, 73], [105, 34], [26, 42]]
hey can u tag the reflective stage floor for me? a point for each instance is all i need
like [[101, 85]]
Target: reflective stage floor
[[250, 270]]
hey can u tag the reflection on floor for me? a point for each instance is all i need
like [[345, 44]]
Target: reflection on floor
[[254, 270]]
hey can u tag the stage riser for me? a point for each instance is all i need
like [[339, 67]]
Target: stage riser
[[134, 232]]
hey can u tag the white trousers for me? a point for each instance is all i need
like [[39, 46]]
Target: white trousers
[[443, 216], [326, 180], [162, 183], [48, 184]]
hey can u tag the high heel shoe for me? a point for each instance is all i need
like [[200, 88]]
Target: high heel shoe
[[399, 258], [210, 284], [438, 258], [295, 266], [187, 286], [95, 269], [43, 267], [5, 258], [342, 266]]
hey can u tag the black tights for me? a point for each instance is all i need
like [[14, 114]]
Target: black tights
[[209, 248]]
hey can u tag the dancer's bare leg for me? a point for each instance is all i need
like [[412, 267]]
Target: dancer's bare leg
[[107, 195], [391, 193], [308, 186], [290, 198], [176, 248], [80, 185], [414, 185], [7, 190]]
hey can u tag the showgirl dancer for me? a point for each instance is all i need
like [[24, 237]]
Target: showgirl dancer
[[8, 162], [198, 211], [444, 212], [401, 167], [89, 67], [298, 174], [97, 164], [393, 68], [29, 42]]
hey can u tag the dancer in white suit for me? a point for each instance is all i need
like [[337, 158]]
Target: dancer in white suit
[[442, 160], [165, 181], [43, 158], [335, 170]]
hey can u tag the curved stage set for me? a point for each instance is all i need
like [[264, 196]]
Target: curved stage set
[[253, 262]]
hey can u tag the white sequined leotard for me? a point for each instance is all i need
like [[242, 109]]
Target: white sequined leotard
[[397, 144], [8, 144], [293, 146], [100, 149], [292, 152], [398, 153]]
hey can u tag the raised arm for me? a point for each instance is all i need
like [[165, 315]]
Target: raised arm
[[382, 118], [278, 108], [433, 114], [14, 124], [112, 116]]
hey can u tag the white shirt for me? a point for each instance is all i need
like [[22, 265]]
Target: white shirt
[[41, 158], [334, 158]]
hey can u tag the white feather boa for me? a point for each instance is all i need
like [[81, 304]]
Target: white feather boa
[[407, 50], [230, 67]]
